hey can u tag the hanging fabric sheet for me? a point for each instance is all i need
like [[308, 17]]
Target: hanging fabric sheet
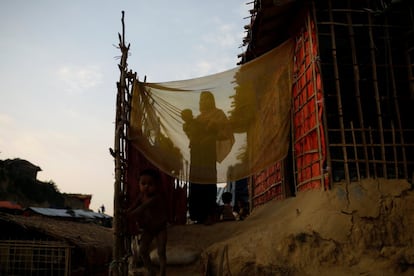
[[217, 128]]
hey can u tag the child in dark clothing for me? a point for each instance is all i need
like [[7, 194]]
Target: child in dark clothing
[[226, 212], [241, 209], [151, 214]]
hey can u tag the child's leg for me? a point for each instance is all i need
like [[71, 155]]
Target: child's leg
[[161, 247], [144, 251]]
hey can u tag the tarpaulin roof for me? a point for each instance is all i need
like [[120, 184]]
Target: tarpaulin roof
[[67, 213]]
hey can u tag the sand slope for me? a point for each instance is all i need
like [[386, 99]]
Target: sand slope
[[361, 229]]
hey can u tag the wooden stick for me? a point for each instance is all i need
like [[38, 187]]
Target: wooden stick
[[338, 93], [355, 66], [395, 99], [373, 153], [355, 152], [376, 90], [328, 165], [394, 148], [313, 65], [119, 266]]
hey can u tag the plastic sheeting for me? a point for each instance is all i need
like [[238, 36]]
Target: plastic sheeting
[[217, 128]]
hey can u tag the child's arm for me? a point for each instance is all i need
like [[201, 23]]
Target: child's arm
[[134, 205], [138, 210]]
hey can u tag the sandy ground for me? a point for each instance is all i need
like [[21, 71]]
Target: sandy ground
[[358, 229]]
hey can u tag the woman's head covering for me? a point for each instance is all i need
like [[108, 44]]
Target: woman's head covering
[[207, 101]]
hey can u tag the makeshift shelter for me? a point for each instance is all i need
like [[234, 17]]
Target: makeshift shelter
[[249, 129], [352, 91], [47, 246], [10, 207], [345, 74]]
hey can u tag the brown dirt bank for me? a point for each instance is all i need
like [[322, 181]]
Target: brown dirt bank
[[361, 229]]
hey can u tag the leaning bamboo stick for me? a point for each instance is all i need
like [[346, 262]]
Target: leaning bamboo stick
[[328, 165], [394, 148], [355, 67], [355, 152], [376, 90], [395, 99], [315, 98], [292, 126], [338, 91], [373, 152]]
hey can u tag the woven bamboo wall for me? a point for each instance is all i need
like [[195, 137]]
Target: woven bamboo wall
[[308, 135], [361, 61], [366, 52], [268, 185], [18, 257]]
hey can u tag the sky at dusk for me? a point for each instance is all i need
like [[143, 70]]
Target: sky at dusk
[[59, 68]]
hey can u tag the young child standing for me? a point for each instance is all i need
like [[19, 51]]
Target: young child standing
[[226, 212], [150, 211]]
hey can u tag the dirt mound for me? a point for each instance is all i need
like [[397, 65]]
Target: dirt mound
[[358, 229]]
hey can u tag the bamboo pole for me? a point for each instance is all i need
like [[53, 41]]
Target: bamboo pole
[[395, 100], [355, 152], [407, 53], [338, 93], [251, 191], [328, 168], [314, 62], [119, 266], [394, 148], [376, 91], [355, 66], [292, 131], [300, 46], [283, 172], [374, 164]]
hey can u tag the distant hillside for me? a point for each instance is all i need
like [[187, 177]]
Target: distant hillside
[[18, 183]]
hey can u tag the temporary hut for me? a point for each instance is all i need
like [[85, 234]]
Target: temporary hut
[[39, 245], [350, 92]]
